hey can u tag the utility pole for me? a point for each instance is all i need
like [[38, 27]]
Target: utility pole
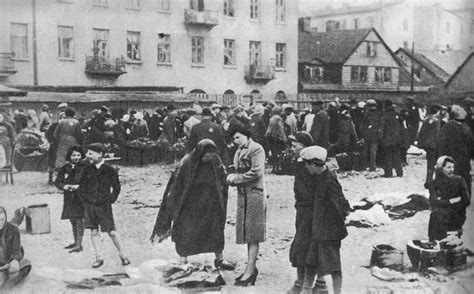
[[412, 67], [35, 47]]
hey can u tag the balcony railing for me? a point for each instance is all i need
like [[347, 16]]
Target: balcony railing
[[206, 18], [105, 67], [259, 74], [7, 66]]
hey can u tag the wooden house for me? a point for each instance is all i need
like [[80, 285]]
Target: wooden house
[[346, 60], [462, 81]]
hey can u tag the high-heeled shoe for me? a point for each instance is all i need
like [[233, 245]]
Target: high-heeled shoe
[[250, 281]]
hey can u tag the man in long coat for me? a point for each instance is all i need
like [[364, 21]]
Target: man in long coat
[[320, 128]]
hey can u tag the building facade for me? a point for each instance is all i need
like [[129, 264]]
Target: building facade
[[346, 60], [202, 46], [400, 22]]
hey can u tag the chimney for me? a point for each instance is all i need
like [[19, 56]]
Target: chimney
[[304, 25]]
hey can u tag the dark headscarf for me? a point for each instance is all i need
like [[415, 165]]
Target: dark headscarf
[[180, 184]]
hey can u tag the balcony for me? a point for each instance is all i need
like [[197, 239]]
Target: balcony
[[7, 66], [100, 66], [205, 18], [259, 74]]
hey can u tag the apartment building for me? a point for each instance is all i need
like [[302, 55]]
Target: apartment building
[[202, 46], [400, 23]]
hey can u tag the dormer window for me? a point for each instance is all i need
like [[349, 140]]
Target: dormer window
[[371, 49]]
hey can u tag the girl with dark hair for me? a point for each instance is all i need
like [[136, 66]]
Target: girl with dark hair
[[68, 180], [449, 198], [249, 164], [67, 134], [194, 205]]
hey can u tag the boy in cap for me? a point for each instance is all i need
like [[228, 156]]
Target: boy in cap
[[330, 209], [99, 188]]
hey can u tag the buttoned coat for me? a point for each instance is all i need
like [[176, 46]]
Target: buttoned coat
[[249, 162]]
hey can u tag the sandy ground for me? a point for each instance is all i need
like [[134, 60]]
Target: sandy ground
[[136, 210]]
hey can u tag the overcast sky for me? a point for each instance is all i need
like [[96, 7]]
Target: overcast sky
[[308, 6]]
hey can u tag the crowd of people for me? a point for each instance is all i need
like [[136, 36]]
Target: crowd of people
[[231, 147]]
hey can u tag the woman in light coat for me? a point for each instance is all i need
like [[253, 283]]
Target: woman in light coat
[[249, 164]]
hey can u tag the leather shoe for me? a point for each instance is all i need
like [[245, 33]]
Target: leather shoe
[[76, 249], [221, 264], [98, 263], [125, 261], [70, 246]]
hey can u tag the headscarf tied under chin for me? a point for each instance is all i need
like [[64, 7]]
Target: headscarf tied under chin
[[440, 164]]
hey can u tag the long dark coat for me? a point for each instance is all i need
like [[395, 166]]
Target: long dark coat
[[73, 206], [390, 128], [320, 129], [446, 216]]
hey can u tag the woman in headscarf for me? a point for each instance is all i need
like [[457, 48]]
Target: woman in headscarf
[[249, 164], [275, 135], [11, 253], [67, 133], [194, 205], [449, 198], [7, 138], [68, 179]]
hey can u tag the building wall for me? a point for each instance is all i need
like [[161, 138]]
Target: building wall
[[426, 77], [431, 29], [383, 58], [464, 80], [389, 22], [212, 77]]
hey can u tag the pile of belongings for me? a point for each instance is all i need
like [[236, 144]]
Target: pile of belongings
[[28, 142], [103, 281], [142, 143], [193, 275], [373, 212]]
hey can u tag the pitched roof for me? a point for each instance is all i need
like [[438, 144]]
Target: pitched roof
[[329, 47], [440, 63], [459, 69], [354, 9]]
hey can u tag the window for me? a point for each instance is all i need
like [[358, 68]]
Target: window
[[229, 8], [356, 23], [197, 44], [448, 27], [197, 5], [254, 9], [280, 57], [133, 46], [255, 53], [371, 49], [133, 4], [405, 24], [19, 40], [101, 40], [313, 73], [383, 75], [65, 42], [100, 2], [359, 74], [229, 52], [163, 5], [280, 10], [332, 25], [370, 21], [163, 49]]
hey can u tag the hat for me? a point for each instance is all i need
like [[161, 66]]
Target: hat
[[197, 108], [97, 147], [125, 118], [458, 112], [286, 106], [215, 105], [259, 109], [206, 111], [104, 108], [361, 104], [371, 102], [303, 138], [45, 107], [316, 154], [240, 129], [62, 105]]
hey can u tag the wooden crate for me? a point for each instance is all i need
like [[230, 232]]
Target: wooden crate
[[38, 219]]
